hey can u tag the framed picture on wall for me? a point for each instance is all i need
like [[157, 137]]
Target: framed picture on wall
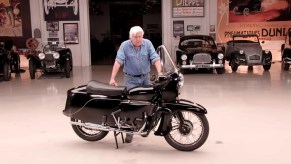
[[52, 26], [190, 27], [71, 34]]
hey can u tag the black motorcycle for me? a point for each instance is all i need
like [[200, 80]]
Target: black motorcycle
[[97, 108]]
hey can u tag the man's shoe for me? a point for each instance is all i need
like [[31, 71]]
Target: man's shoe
[[128, 138]]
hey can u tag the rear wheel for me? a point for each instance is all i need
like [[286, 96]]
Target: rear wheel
[[31, 69], [246, 12], [285, 66], [88, 134], [7, 72], [189, 130], [235, 10], [67, 69]]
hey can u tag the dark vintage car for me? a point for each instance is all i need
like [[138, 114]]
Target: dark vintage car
[[253, 6], [286, 52], [247, 50], [53, 58], [199, 51], [5, 57]]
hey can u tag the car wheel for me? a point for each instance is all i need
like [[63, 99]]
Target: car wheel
[[235, 10], [220, 70], [31, 69], [67, 69], [246, 12], [267, 67], [7, 72], [285, 66], [233, 65]]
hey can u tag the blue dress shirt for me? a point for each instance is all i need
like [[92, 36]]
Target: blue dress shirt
[[136, 61]]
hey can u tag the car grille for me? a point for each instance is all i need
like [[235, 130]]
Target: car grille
[[49, 57], [49, 61], [202, 58], [254, 57]]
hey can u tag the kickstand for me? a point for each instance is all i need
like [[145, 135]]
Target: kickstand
[[115, 136]]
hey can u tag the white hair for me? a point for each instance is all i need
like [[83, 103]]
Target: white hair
[[134, 30]]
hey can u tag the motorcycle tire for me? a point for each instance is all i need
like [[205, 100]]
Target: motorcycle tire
[[83, 132], [183, 135]]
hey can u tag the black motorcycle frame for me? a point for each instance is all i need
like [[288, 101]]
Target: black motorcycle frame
[[139, 110]]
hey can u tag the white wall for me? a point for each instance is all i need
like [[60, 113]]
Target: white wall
[[208, 19], [81, 51]]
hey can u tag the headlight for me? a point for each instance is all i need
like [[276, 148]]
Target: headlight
[[56, 55], [181, 78], [41, 56], [241, 51], [184, 57], [220, 56], [267, 51]]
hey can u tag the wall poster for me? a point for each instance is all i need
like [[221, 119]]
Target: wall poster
[[269, 19], [14, 20], [56, 10], [178, 28], [185, 8]]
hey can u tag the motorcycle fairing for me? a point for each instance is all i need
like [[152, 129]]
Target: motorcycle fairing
[[186, 105]]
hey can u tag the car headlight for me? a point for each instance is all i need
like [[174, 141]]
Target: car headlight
[[220, 56], [241, 51], [41, 56], [56, 55], [181, 78], [267, 51], [184, 57]]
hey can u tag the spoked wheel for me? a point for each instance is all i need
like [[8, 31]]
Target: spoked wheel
[[235, 10], [189, 130], [246, 12], [88, 134]]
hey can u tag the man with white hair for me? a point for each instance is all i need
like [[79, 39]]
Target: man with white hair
[[136, 56]]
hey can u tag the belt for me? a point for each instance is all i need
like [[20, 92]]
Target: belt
[[141, 75]]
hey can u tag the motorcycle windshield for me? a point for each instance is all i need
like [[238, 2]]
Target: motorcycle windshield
[[167, 63]]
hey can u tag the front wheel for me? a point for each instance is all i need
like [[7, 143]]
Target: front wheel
[[31, 69], [88, 134], [267, 67], [7, 72], [189, 130], [233, 65]]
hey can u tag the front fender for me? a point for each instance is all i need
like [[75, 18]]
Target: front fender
[[164, 114], [186, 105]]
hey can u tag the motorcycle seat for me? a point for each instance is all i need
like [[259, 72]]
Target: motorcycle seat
[[100, 88]]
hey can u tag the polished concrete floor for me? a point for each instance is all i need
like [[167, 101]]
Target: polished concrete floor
[[249, 113]]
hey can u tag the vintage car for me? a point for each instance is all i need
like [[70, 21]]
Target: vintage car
[[253, 6], [53, 58], [286, 52], [246, 50], [5, 61], [199, 51]]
